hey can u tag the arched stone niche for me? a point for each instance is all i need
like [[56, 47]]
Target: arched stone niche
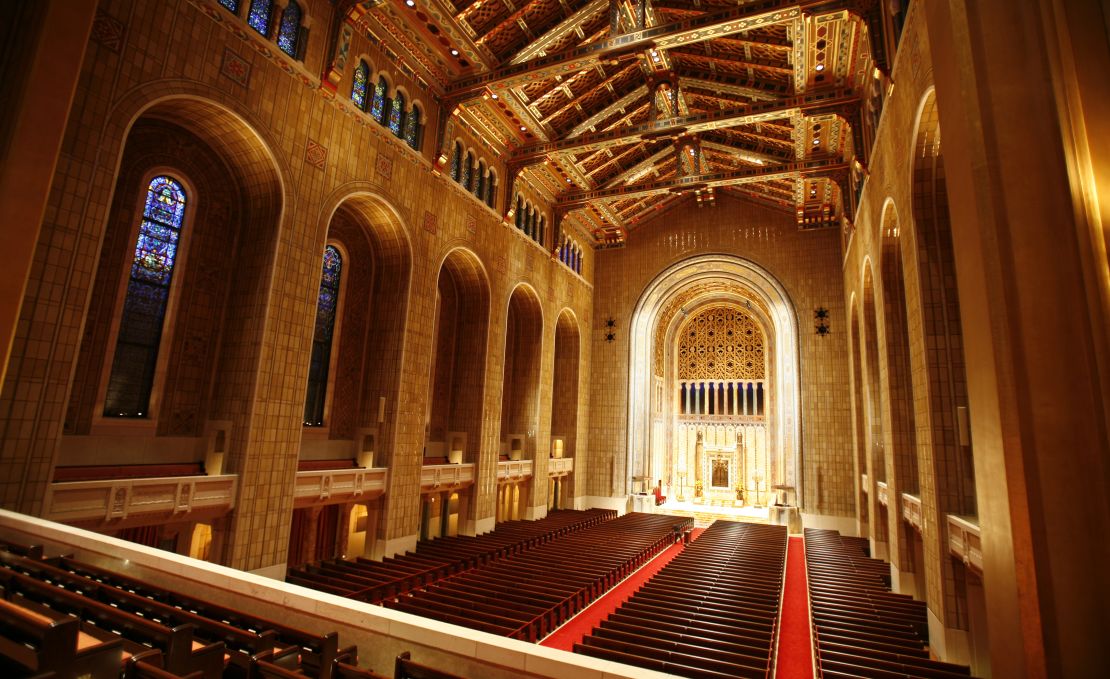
[[669, 298]]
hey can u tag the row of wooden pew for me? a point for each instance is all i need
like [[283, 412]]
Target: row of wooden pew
[[373, 581], [710, 613], [528, 594], [860, 627], [63, 618]]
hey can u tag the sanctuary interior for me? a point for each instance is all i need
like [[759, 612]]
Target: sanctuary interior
[[419, 324]]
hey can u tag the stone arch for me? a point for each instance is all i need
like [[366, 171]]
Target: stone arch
[[459, 349], [742, 280], [859, 436], [872, 408], [523, 343], [238, 186], [375, 314], [565, 387]]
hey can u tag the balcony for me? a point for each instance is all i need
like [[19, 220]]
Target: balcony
[[881, 493], [440, 477], [911, 510], [331, 486], [513, 470], [560, 466], [112, 502], [965, 542]]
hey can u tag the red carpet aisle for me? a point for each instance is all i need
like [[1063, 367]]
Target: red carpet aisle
[[582, 624], [795, 659]]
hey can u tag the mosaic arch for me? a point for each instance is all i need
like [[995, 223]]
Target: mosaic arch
[[691, 285]]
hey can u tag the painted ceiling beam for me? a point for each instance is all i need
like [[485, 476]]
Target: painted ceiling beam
[[562, 30], [576, 199], [685, 32], [609, 110], [699, 122]]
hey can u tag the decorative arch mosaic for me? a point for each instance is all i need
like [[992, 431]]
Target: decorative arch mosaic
[[721, 342]]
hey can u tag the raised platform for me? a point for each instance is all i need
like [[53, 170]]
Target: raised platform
[[705, 514]]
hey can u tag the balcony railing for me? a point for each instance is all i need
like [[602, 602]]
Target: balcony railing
[[150, 500], [965, 542], [331, 486], [911, 510], [435, 477], [560, 466], [514, 470]]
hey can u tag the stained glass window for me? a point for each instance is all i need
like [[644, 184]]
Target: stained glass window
[[358, 89], [231, 5], [491, 189], [397, 113], [412, 128], [464, 176], [290, 29], [144, 305], [259, 16], [456, 162], [377, 108], [327, 303]]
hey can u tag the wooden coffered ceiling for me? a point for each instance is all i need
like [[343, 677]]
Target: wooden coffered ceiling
[[622, 108]]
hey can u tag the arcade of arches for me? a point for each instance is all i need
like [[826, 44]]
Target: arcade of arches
[[279, 290]]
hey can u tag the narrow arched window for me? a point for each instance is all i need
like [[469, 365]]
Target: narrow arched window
[[412, 127], [289, 32], [231, 5], [144, 306], [397, 113], [543, 229], [491, 189], [467, 168], [361, 82], [377, 108], [480, 185], [259, 16], [456, 162], [519, 213], [327, 303]]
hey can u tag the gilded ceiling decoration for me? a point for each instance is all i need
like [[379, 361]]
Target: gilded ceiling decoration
[[625, 108]]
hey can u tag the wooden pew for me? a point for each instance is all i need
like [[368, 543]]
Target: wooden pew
[[182, 653], [860, 626], [36, 640], [407, 668], [317, 651]]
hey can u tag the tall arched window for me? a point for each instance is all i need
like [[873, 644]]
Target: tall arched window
[[377, 108], [397, 113], [480, 185], [467, 168], [361, 82], [519, 213], [144, 306], [412, 127], [327, 302], [491, 188], [543, 228], [456, 162], [231, 5], [289, 33], [259, 16]]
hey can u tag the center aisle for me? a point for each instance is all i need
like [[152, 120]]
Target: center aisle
[[582, 624], [795, 654]]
